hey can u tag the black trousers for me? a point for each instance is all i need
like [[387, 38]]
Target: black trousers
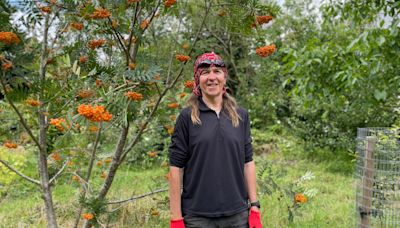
[[239, 220]]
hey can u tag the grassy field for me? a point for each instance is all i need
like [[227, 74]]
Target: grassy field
[[331, 206]]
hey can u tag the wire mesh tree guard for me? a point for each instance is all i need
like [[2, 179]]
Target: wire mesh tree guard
[[378, 177]]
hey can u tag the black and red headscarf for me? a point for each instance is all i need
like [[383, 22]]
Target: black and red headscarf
[[204, 61]]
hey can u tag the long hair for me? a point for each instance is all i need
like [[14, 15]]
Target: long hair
[[229, 105]]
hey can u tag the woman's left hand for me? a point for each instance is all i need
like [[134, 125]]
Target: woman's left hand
[[255, 218]]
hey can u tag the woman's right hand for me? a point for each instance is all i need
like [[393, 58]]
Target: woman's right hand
[[178, 223]]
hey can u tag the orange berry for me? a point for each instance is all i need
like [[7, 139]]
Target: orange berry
[[100, 13], [157, 77], [32, 102], [173, 105], [263, 19], [144, 24], [57, 122], [185, 46], [189, 84], [132, 66], [134, 96], [98, 82], [10, 145], [108, 160], [95, 43], [182, 58], [266, 50], [182, 95], [93, 128], [300, 198], [9, 38], [6, 66], [95, 113], [87, 216], [169, 3], [152, 154], [85, 93], [45, 9], [83, 59], [55, 156], [77, 25]]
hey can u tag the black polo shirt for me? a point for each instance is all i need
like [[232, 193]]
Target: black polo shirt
[[213, 155]]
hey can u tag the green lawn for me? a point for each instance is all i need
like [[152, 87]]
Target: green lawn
[[332, 205]]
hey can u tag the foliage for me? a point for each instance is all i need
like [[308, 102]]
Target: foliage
[[332, 74], [90, 71], [15, 158], [293, 195]]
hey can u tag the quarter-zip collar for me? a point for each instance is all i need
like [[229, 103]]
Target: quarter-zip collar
[[203, 106]]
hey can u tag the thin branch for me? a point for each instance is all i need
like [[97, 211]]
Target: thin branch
[[152, 15], [54, 17], [218, 38], [118, 37], [86, 179], [139, 197], [19, 173], [133, 27], [62, 108], [21, 119], [133, 52], [158, 89], [93, 155], [169, 68], [58, 35], [58, 173]]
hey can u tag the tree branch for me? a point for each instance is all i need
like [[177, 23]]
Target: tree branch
[[19, 173], [133, 27], [21, 119], [86, 179], [118, 37], [58, 173], [139, 197]]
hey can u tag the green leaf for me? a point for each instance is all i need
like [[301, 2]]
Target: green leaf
[[78, 71], [92, 72], [75, 66], [381, 40], [380, 95]]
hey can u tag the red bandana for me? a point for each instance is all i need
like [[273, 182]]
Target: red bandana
[[197, 71]]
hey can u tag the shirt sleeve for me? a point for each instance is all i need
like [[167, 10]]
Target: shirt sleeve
[[248, 148], [178, 150]]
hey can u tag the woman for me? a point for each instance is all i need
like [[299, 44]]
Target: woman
[[211, 156]]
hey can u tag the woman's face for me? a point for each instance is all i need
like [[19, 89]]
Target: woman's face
[[212, 82]]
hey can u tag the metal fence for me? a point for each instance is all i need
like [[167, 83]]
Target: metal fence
[[378, 177]]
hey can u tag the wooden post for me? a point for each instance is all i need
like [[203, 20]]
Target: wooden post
[[367, 183]]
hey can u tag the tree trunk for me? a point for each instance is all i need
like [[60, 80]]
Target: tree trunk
[[42, 157]]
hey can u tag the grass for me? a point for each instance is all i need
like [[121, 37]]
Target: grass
[[332, 206]]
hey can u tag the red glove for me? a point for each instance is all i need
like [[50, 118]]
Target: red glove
[[177, 223], [254, 219]]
